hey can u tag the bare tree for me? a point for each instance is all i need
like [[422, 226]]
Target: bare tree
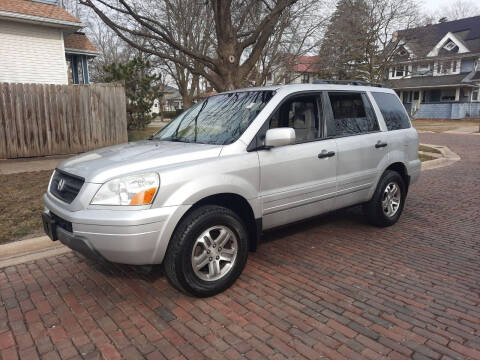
[[242, 29], [457, 10], [297, 33], [359, 42], [189, 23]]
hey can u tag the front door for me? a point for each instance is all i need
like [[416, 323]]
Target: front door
[[298, 181]]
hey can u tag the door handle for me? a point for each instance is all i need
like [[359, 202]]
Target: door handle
[[380, 144], [324, 154]]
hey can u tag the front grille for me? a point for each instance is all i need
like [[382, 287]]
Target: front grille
[[62, 223], [65, 186]]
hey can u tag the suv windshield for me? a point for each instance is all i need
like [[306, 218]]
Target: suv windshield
[[219, 119]]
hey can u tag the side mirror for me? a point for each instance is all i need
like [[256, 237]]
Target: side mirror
[[279, 137]]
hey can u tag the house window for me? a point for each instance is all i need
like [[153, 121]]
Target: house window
[[476, 94], [448, 95], [450, 46], [416, 95], [398, 71], [448, 67], [306, 78]]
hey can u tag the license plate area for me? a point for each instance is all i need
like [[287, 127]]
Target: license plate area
[[49, 226]]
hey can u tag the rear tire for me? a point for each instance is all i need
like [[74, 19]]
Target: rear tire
[[207, 252], [386, 205]]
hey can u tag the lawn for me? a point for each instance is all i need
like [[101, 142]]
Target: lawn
[[135, 135], [21, 204], [437, 125]]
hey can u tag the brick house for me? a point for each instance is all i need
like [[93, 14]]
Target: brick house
[[41, 43], [436, 70]]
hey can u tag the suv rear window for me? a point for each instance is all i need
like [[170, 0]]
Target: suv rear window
[[392, 110], [352, 114]]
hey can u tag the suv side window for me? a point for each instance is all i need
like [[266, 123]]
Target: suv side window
[[352, 114], [300, 113], [392, 110]]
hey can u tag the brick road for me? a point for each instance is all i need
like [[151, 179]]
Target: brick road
[[333, 287]]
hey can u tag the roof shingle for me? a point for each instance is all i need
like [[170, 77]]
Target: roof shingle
[[79, 41], [427, 81], [422, 39], [32, 8]]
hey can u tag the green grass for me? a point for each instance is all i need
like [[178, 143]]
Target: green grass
[[136, 135], [21, 204], [429, 149]]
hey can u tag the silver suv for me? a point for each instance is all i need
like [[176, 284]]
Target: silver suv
[[199, 193]]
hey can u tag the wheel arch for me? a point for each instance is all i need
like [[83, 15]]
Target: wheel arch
[[400, 168], [241, 207]]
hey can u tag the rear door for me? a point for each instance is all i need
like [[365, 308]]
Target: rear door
[[361, 146], [298, 181]]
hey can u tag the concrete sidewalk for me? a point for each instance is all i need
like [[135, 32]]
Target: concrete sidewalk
[[473, 130], [31, 164]]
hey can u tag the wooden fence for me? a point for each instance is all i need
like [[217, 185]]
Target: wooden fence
[[38, 120]]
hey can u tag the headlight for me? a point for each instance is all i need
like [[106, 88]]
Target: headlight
[[128, 190]]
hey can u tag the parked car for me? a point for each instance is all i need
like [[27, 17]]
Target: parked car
[[199, 193]]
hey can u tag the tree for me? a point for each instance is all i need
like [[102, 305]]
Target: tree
[[343, 47], [359, 42], [456, 10], [241, 32], [141, 89]]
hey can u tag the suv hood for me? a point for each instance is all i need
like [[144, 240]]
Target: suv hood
[[107, 163]]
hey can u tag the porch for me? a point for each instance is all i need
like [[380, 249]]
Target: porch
[[442, 103]]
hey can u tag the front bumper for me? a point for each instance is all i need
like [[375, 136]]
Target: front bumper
[[137, 237]]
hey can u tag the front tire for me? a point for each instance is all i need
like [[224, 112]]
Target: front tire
[[207, 252], [386, 205]]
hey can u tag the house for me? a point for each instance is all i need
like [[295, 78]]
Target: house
[[170, 101], [41, 43], [297, 70], [435, 69]]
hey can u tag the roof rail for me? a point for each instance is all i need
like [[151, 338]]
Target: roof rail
[[348, 82]]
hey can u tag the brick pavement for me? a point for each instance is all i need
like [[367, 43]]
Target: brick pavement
[[333, 287]]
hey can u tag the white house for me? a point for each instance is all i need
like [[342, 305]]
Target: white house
[[436, 70], [40, 43]]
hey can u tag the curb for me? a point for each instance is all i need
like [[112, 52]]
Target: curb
[[448, 158], [19, 252]]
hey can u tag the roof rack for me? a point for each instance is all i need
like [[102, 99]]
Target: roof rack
[[348, 82]]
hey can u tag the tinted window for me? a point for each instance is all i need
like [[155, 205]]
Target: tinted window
[[352, 114], [300, 113], [392, 110]]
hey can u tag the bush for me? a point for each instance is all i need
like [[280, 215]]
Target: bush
[[141, 89]]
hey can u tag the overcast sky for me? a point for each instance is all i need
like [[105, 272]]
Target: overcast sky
[[432, 5]]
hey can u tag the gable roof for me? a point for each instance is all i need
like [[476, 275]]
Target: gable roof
[[38, 12], [423, 39], [79, 43]]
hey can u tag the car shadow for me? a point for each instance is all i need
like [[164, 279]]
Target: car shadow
[[352, 216]]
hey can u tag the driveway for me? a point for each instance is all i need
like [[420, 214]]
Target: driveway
[[333, 287]]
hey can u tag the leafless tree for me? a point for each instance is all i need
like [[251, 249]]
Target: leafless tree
[[359, 43], [241, 30], [297, 33], [456, 10]]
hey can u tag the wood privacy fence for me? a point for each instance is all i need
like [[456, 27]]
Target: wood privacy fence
[[38, 120]]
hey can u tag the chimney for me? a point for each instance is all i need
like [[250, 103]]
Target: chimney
[[395, 36]]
